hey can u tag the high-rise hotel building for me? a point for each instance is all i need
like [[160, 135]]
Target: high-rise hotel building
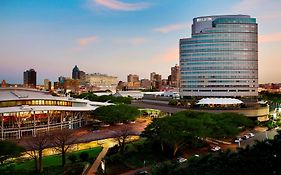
[[221, 57]]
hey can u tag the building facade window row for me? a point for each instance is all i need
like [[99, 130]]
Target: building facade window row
[[35, 103]]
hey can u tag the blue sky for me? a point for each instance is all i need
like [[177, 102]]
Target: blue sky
[[118, 37]]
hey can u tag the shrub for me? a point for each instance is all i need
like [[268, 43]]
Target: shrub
[[72, 158], [84, 156]]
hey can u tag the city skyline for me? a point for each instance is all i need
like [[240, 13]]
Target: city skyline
[[104, 36]]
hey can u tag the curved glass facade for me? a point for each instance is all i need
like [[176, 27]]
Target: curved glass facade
[[221, 57]]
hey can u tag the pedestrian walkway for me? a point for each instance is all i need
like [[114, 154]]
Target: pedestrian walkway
[[96, 164]]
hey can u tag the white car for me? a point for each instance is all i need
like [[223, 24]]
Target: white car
[[251, 134], [245, 137], [215, 148], [181, 159], [238, 139]]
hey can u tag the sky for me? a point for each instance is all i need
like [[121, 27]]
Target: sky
[[118, 37]]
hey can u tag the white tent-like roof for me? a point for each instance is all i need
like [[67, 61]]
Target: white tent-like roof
[[219, 101]]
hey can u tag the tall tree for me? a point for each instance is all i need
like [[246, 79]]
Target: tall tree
[[35, 147], [62, 140], [183, 128], [116, 113], [122, 137]]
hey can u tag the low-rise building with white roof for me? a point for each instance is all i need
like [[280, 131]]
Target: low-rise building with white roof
[[25, 112]]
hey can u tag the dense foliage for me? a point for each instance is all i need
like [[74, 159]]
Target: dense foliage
[[92, 97], [181, 102], [8, 150], [187, 128], [262, 158], [116, 113], [272, 97]]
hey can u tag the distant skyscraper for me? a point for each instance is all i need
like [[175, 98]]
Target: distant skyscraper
[[75, 73], [221, 57], [156, 80], [47, 84], [29, 78], [175, 76], [133, 82], [132, 78], [145, 83], [99, 82], [152, 74], [82, 75]]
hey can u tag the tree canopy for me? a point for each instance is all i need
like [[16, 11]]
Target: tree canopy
[[116, 113], [262, 158], [92, 97], [184, 128], [9, 149], [269, 96]]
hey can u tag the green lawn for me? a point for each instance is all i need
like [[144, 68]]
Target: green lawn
[[52, 163]]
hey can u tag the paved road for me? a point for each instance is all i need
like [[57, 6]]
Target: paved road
[[109, 132], [161, 107], [259, 137], [85, 134]]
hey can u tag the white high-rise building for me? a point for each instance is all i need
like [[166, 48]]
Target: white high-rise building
[[221, 57]]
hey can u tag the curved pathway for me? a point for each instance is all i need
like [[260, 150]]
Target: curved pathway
[[96, 164]]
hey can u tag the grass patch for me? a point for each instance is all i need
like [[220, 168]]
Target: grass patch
[[52, 164]]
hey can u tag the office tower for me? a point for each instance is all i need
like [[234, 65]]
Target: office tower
[[61, 82], [47, 84], [100, 82], [175, 76], [221, 57], [82, 75], [132, 78], [29, 78], [155, 80], [75, 72], [133, 82], [145, 83], [152, 74]]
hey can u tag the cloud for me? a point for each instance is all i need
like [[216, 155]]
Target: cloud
[[131, 41], [247, 5], [272, 37], [171, 27], [169, 55], [86, 41], [264, 10], [119, 5]]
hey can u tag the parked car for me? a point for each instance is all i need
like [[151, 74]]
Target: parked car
[[215, 148], [245, 137], [251, 134], [238, 139], [141, 173], [181, 159]]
